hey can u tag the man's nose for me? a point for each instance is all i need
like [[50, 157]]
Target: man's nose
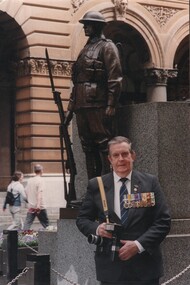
[[120, 156]]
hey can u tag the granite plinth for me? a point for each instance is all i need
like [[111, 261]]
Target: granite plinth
[[160, 133], [71, 255], [81, 177], [176, 259]]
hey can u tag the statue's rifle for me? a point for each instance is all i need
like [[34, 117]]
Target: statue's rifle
[[70, 164]]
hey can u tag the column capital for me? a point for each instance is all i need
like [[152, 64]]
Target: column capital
[[159, 76]]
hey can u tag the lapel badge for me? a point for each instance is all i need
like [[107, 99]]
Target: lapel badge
[[136, 188]]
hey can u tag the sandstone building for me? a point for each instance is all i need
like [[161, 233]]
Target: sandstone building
[[153, 38]]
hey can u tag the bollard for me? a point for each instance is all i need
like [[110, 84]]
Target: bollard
[[5, 256], [39, 273], [10, 253]]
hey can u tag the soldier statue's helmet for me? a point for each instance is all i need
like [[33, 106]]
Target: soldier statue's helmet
[[93, 16]]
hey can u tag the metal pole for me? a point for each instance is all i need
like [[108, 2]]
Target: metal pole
[[5, 256], [39, 273], [10, 253]]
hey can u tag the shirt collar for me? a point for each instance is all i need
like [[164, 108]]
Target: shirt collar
[[117, 178]]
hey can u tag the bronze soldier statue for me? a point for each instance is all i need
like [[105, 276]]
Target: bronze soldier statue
[[97, 78]]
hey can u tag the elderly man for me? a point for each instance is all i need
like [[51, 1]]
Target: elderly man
[[132, 227]]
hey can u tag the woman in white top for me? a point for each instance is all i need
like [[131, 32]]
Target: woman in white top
[[19, 194]]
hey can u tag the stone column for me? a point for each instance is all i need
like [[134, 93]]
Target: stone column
[[156, 80]]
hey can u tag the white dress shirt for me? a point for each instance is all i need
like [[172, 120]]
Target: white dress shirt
[[117, 186]]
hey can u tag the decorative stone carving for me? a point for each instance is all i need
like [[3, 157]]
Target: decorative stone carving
[[161, 14], [39, 66], [120, 7], [158, 76], [76, 4]]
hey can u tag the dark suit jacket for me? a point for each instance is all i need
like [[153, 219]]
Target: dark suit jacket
[[148, 225]]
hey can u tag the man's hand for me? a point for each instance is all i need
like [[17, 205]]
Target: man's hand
[[110, 111], [128, 250], [38, 210], [34, 210], [102, 232]]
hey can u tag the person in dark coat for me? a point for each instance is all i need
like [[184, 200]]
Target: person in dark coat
[[141, 221]]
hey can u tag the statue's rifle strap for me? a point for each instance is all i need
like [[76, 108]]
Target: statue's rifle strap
[[103, 197]]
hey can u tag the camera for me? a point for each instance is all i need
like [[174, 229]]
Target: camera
[[114, 243], [97, 240]]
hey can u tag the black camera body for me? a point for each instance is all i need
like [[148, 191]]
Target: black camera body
[[116, 231]]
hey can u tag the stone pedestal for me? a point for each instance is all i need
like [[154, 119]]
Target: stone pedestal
[[71, 255], [160, 133], [176, 250]]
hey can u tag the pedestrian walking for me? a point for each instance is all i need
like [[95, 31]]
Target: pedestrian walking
[[34, 192], [15, 196]]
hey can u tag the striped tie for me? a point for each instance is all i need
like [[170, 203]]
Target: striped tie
[[123, 191]]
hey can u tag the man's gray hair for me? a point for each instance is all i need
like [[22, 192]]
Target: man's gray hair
[[38, 168], [119, 139]]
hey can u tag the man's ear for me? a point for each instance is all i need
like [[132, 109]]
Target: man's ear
[[133, 155], [109, 158]]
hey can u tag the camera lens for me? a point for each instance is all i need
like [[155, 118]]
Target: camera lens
[[93, 239]]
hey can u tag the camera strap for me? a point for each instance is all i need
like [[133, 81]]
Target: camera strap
[[103, 197]]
